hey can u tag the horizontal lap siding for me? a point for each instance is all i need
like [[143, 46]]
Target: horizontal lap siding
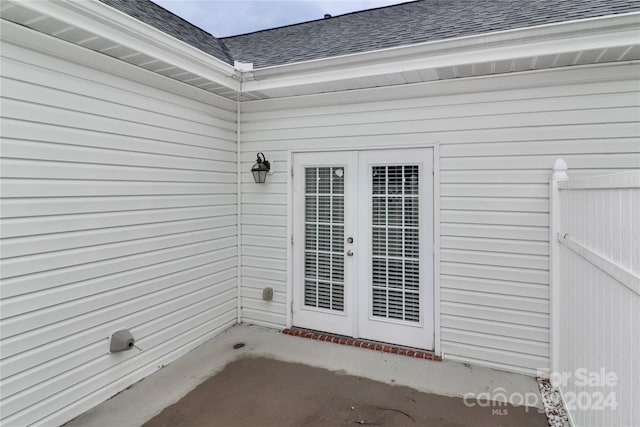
[[119, 211], [497, 148]]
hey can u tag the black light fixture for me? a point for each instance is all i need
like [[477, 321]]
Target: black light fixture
[[260, 169]]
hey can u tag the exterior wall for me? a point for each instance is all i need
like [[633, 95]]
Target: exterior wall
[[119, 208], [498, 138]]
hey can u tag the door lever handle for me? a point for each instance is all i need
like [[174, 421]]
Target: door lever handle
[[349, 252]]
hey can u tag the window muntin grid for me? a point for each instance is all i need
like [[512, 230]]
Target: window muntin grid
[[324, 238], [395, 242]]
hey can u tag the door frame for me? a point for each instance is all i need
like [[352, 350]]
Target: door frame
[[437, 349]]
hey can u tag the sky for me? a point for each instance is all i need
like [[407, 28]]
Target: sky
[[232, 17]]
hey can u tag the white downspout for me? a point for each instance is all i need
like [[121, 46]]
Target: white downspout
[[243, 69], [239, 200]]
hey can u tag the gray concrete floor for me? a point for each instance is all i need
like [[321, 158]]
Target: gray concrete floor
[[139, 403]]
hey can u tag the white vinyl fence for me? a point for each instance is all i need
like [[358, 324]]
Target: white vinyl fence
[[595, 264]]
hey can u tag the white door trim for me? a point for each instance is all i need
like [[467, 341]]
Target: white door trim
[[436, 227]]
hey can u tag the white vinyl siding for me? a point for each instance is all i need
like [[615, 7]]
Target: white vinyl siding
[[498, 138], [597, 260], [119, 210]]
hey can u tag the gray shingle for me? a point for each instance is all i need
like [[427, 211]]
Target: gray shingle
[[409, 23], [160, 18], [391, 26]]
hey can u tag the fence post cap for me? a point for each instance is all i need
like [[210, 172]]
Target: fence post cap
[[560, 169], [560, 165]]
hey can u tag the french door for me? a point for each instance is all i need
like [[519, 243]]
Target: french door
[[363, 244]]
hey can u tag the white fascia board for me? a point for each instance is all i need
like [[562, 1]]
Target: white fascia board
[[105, 21], [574, 36]]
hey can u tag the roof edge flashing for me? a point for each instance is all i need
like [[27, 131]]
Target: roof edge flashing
[[243, 66]]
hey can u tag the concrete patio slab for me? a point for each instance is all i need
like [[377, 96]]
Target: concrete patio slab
[[141, 402], [265, 392]]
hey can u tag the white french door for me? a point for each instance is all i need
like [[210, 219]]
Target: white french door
[[363, 244], [323, 220]]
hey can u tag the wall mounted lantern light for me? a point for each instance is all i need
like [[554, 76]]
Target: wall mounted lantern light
[[260, 169]]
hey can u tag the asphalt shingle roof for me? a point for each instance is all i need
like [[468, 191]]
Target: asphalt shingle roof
[[160, 18], [409, 23], [391, 26]]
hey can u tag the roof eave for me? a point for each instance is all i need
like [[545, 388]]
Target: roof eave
[[592, 33], [105, 21]]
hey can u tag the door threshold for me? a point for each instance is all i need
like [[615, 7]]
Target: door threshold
[[360, 343]]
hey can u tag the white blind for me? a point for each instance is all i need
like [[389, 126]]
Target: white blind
[[324, 238], [395, 242]]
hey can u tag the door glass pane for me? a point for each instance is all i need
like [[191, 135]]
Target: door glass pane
[[395, 244], [324, 235]]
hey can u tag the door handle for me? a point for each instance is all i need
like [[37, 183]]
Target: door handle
[[349, 252]]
